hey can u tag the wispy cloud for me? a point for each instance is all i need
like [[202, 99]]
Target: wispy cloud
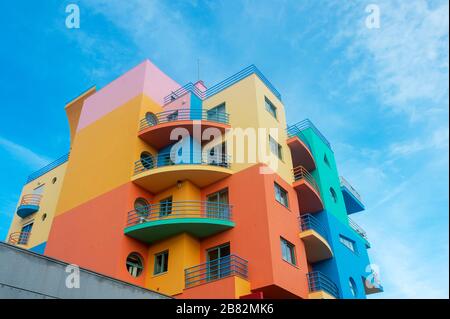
[[23, 154]]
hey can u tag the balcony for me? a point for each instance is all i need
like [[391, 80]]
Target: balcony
[[19, 238], [158, 221], [227, 266], [361, 232], [29, 205], [155, 129], [300, 149], [158, 173], [315, 238], [321, 287], [307, 191], [352, 199]]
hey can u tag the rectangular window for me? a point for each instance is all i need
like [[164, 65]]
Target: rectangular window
[[161, 262], [270, 107], [165, 206], [218, 262], [350, 244], [288, 251], [275, 148], [173, 116], [25, 234], [281, 195], [217, 114], [217, 204]]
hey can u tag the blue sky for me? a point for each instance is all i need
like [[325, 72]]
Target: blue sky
[[379, 95]]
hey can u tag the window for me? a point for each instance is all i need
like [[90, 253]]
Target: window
[[173, 116], [275, 148], [325, 159], [25, 234], [165, 206], [44, 217], [141, 206], [333, 194], [217, 113], [161, 262], [288, 251], [353, 288], [134, 264], [165, 159], [217, 204], [270, 107], [146, 160], [350, 244], [54, 179], [218, 262], [151, 119], [281, 195]]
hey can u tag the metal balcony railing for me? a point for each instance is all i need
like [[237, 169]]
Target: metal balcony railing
[[183, 115], [195, 158], [317, 281], [31, 199], [179, 209], [307, 124], [48, 168], [302, 173], [350, 188], [308, 221], [19, 238], [231, 265], [292, 131], [187, 88], [252, 69], [358, 229]]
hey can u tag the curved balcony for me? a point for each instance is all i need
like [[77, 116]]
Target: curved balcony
[[158, 173], [307, 191], [158, 221], [19, 238], [155, 129], [314, 236], [321, 287], [300, 149], [29, 205]]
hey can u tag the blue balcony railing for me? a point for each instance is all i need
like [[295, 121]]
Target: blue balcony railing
[[317, 281], [227, 266], [309, 222], [304, 125], [187, 88], [179, 209], [183, 115], [252, 69], [194, 158], [48, 168]]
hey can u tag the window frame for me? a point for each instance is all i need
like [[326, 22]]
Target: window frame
[[270, 107], [345, 240], [279, 148], [164, 267], [278, 192], [138, 268], [291, 249]]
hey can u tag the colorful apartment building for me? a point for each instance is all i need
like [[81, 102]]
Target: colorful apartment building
[[145, 197]]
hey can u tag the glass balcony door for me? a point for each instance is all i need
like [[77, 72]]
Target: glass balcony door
[[218, 262], [217, 206]]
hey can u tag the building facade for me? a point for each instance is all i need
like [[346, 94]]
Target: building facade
[[198, 192]]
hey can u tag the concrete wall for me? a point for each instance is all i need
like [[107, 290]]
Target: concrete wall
[[24, 274]]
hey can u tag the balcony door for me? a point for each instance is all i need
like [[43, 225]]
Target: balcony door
[[217, 114], [217, 206], [218, 262], [25, 234]]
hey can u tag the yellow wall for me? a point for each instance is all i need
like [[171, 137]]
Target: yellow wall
[[41, 228], [103, 153], [184, 252], [241, 287], [244, 101]]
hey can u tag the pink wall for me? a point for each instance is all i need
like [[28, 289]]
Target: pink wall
[[145, 78]]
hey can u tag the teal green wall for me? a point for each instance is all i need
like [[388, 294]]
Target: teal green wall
[[327, 176]]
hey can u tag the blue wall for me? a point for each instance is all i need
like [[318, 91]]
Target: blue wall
[[39, 248]]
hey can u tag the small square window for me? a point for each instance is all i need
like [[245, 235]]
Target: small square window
[[161, 262], [270, 107], [350, 244], [281, 195], [165, 206], [288, 251]]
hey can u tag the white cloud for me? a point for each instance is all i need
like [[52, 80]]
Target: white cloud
[[23, 153]]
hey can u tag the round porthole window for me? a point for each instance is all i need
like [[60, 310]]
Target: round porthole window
[[147, 160], [54, 179], [44, 217], [353, 288], [333, 194], [141, 206], [151, 119], [134, 264]]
